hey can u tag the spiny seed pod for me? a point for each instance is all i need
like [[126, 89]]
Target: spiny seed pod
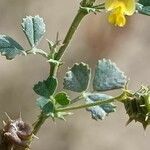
[[16, 133], [138, 107]]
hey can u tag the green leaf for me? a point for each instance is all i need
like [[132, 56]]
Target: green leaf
[[9, 47], [145, 10], [48, 109], [41, 102], [45, 105], [77, 78], [108, 76], [143, 7], [62, 99], [101, 111], [46, 88], [144, 2], [34, 29]]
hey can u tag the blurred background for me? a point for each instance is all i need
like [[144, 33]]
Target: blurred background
[[129, 47]]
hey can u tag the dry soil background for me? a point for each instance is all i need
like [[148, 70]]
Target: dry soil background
[[129, 47]]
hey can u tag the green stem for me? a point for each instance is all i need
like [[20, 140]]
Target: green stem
[[87, 2], [37, 125], [100, 102], [54, 67], [80, 15]]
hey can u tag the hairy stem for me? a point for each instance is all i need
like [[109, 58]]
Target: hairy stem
[[37, 125], [54, 67], [80, 15]]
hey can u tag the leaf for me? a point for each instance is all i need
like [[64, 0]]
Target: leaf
[[108, 76], [144, 2], [45, 105], [62, 99], [77, 78], [145, 10], [48, 109], [101, 111], [9, 47], [41, 102], [46, 88], [143, 7], [34, 29]]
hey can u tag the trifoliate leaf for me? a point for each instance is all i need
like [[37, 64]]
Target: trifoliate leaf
[[9, 47], [62, 99], [46, 88], [99, 111], [77, 78], [45, 105], [34, 29], [108, 76]]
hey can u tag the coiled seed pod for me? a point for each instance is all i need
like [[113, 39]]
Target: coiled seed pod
[[16, 133], [138, 107]]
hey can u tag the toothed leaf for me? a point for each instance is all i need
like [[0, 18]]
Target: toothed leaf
[[99, 111], [46, 88], [77, 78], [108, 76], [143, 7], [62, 99], [9, 47], [45, 105], [34, 29]]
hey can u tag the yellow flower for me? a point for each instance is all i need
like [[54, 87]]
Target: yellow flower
[[118, 9]]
